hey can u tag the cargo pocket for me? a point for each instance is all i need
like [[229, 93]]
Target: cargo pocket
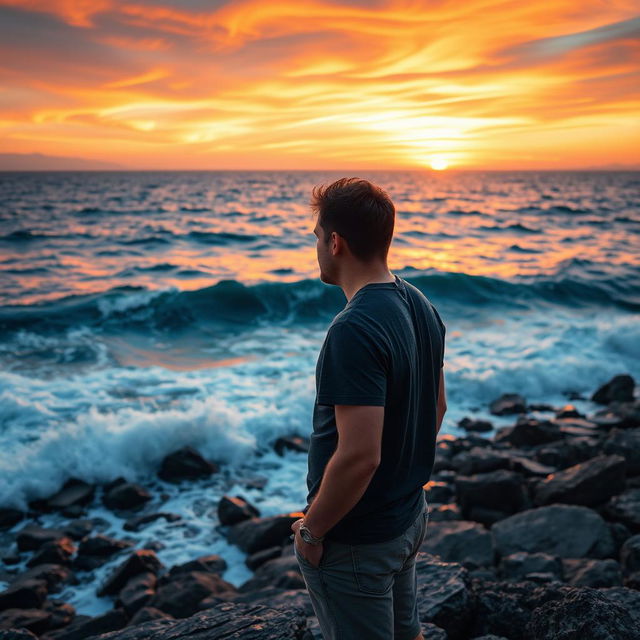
[[375, 565]]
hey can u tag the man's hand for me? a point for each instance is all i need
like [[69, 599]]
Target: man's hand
[[312, 553]]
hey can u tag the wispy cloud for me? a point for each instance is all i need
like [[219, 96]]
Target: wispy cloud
[[297, 84]]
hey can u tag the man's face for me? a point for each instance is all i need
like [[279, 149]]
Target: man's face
[[325, 259]]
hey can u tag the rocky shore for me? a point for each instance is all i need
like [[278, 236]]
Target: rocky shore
[[533, 534]]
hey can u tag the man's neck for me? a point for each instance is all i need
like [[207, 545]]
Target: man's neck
[[351, 285]]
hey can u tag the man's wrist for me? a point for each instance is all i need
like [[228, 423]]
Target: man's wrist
[[307, 535]]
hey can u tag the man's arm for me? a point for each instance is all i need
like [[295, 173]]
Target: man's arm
[[350, 468], [442, 402]]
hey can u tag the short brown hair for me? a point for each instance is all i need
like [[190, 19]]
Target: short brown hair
[[361, 212]]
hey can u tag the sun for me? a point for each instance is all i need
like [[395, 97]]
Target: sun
[[438, 164]]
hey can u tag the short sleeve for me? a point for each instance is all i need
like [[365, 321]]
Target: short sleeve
[[443, 331], [351, 368]]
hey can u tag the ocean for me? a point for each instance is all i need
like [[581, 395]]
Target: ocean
[[144, 311]]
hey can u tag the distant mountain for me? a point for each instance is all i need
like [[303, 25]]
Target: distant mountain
[[41, 162]]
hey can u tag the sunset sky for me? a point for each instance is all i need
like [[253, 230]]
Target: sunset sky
[[300, 84]]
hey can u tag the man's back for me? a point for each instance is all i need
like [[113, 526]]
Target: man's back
[[385, 348]]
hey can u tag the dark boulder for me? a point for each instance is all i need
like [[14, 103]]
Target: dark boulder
[[273, 572], [443, 595], [182, 595], [32, 537], [101, 545], [82, 627], [487, 497], [126, 495], [508, 403], [625, 443], [53, 576], [444, 512], [80, 528], [438, 491], [208, 564], [529, 432], [480, 426], [582, 613], [35, 620], [57, 551], [257, 534], [234, 509], [586, 572], [468, 543], [480, 460], [260, 557], [630, 554], [619, 388], [139, 561], [17, 634], [138, 522], [225, 620], [291, 443], [587, 483], [10, 517], [137, 592], [520, 565], [24, 594], [566, 453], [61, 612], [625, 508], [568, 531], [74, 492], [147, 614], [186, 464]]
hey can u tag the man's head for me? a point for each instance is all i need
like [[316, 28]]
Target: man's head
[[354, 226]]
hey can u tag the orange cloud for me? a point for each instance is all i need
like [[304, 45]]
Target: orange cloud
[[311, 84]]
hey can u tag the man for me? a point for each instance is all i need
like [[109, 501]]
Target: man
[[380, 399]]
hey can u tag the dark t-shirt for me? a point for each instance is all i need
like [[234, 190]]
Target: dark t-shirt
[[385, 348]]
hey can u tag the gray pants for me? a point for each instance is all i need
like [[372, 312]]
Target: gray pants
[[367, 590]]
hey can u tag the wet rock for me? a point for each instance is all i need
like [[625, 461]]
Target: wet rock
[[508, 403], [567, 453], [568, 411], [17, 634], [288, 599], [582, 613], [479, 426], [32, 537], [53, 575], [138, 522], [138, 591], [126, 495], [487, 497], [181, 596], [568, 531], [101, 545], [625, 443], [530, 468], [78, 529], [234, 509], [260, 557], [291, 443], [186, 464], [619, 388], [443, 595], [444, 512], [585, 572], [257, 534], [27, 594], [625, 508], [518, 566], [587, 483], [35, 620], [61, 612], [630, 554], [82, 627], [10, 517], [528, 432], [225, 620], [480, 460], [271, 574], [139, 561], [468, 543], [208, 564], [73, 492], [55, 552], [147, 614]]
